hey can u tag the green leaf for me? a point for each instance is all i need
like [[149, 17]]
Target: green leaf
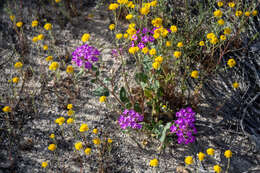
[[141, 77], [137, 108], [101, 91], [166, 127], [128, 105], [123, 95], [148, 93]]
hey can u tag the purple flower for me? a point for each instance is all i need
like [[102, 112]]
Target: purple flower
[[86, 55], [145, 30], [134, 37], [130, 118], [151, 39], [141, 45], [145, 39], [184, 126]]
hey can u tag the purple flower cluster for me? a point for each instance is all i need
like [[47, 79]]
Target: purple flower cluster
[[130, 118], [184, 126], [141, 38], [86, 55]]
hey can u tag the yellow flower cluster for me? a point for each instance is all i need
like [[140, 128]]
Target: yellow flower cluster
[[7, 109], [96, 141], [157, 62], [231, 63], [69, 69], [133, 50], [154, 162], [177, 54], [52, 147], [60, 120], [34, 23], [18, 65], [83, 128], [47, 26], [157, 22], [212, 38], [113, 6], [102, 99], [54, 65], [85, 37], [194, 74], [78, 146]]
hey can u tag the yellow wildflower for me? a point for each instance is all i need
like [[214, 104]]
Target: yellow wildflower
[[45, 47], [7, 109], [47, 26], [168, 43], [102, 99], [111, 27], [83, 128], [177, 54], [223, 37], [12, 17], [159, 59], [70, 112], [231, 4], [109, 140], [145, 50], [247, 13], [44, 164], [54, 65], [153, 3], [188, 160], [194, 74], [239, 13], [52, 147], [174, 28], [18, 65], [35, 39], [157, 22], [57, 1], [85, 37], [210, 151], [15, 79], [228, 153], [214, 40], [87, 151], [122, 1], [220, 3], [125, 35], [221, 22], [144, 10], [133, 50], [19, 24], [154, 163], [235, 85], [40, 37], [119, 36], [69, 69], [231, 62], [70, 120], [254, 13], [49, 58], [227, 31], [35, 23], [129, 17], [217, 168], [69, 106], [152, 51], [60, 120], [202, 43], [156, 65], [201, 156], [78, 146], [96, 141], [113, 6], [95, 131], [52, 136], [180, 44], [218, 13], [210, 35], [156, 35]]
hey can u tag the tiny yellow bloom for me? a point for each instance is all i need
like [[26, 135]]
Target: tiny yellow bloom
[[202, 43], [201, 156], [54, 65], [87, 151], [83, 128], [69, 106], [60, 120], [102, 99], [210, 151], [18, 65], [188, 160], [228, 153], [111, 27], [7, 109], [52, 147], [119, 36], [12, 17], [231, 62], [254, 13], [125, 35], [78, 146], [145, 50], [34, 23], [231, 4], [217, 168], [154, 163], [133, 50], [70, 120], [85, 37], [153, 3], [220, 3], [129, 17], [159, 59], [109, 140], [157, 22], [210, 35], [96, 141], [15, 79], [214, 40], [180, 44], [57, 1], [156, 65], [174, 28], [95, 131], [52, 136], [168, 43], [223, 37], [194, 74], [47, 26], [227, 31], [44, 164], [144, 10], [152, 51], [122, 1], [218, 13], [177, 54], [247, 13], [113, 6], [235, 85], [69, 69], [221, 22], [239, 13], [49, 58], [70, 112], [19, 24], [35, 39], [45, 47], [40, 37]]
